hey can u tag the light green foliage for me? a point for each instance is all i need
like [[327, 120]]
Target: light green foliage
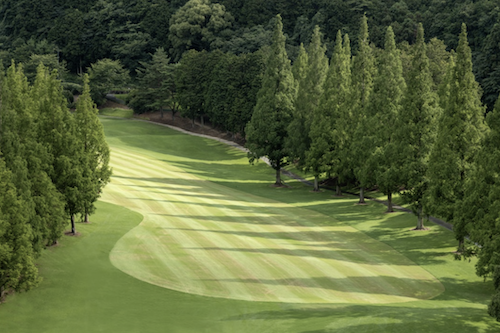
[[460, 130], [29, 160], [333, 127], [94, 160], [267, 130], [197, 25], [104, 75], [17, 267], [382, 114], [415, 129], [57, 133], [438, 60]]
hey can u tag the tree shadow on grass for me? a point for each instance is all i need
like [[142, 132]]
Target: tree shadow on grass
[[357, 286], [339, 253], [380, 318]]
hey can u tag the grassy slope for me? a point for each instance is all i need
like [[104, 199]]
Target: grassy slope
[[212, 240], [83, 292]]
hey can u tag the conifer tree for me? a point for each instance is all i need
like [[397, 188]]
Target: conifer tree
[[17, 267], [28, 159], [478, 214], [267, 130], [311, 77], [95, 158], [56, 131], [382, 113], [363, 71], [415, 129], [331, 128], [460, 130]]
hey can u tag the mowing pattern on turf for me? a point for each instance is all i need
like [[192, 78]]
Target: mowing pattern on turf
[[204, 238]]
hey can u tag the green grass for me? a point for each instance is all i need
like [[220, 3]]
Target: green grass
[[117, 112], [83, 292]]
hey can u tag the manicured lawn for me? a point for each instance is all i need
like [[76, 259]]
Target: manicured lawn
[[212, 224]]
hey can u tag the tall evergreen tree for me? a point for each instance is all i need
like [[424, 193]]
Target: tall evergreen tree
[[17, 267], [460, 130], [331, 128], [267, 130], [56, 131], [95, 156], [478, 214], [28, 159], [383, 111], [309, 91], [363, 72], [415, 130]]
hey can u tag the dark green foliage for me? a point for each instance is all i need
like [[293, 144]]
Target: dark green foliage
[[310, 77], [267, 130], [383, 111], [198, 25], [460, 130], [415, 129], [156, 88], [232, 91], [333, 127], [363, 72], [193, 76], [478, 214]]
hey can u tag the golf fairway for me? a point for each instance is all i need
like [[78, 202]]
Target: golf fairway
[[208, 239]]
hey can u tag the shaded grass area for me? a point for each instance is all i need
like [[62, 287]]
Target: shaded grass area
[[117, 112], [83, 292]]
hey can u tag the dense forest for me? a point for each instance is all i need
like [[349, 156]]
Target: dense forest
[[81, 33], [353, 90]]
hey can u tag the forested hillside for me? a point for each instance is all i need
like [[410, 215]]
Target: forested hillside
[[81, 33]]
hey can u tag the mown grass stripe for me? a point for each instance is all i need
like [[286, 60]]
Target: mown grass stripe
[[272, 244]]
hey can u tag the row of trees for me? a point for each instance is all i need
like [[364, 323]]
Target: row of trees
[[220, 87], [53, 165], [365, 119], [76, 34]]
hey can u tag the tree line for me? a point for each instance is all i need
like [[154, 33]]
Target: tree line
[[53, 166], [381, 118], [76, 35]]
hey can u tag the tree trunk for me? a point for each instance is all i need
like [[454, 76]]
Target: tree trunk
[[202, 119], [86, 217], [361, 195], [316, 184], [460, 246], [161, 113], [389, 203], [73, 230], [338, 191], [278, 174], [420, 220], [173, 115]]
